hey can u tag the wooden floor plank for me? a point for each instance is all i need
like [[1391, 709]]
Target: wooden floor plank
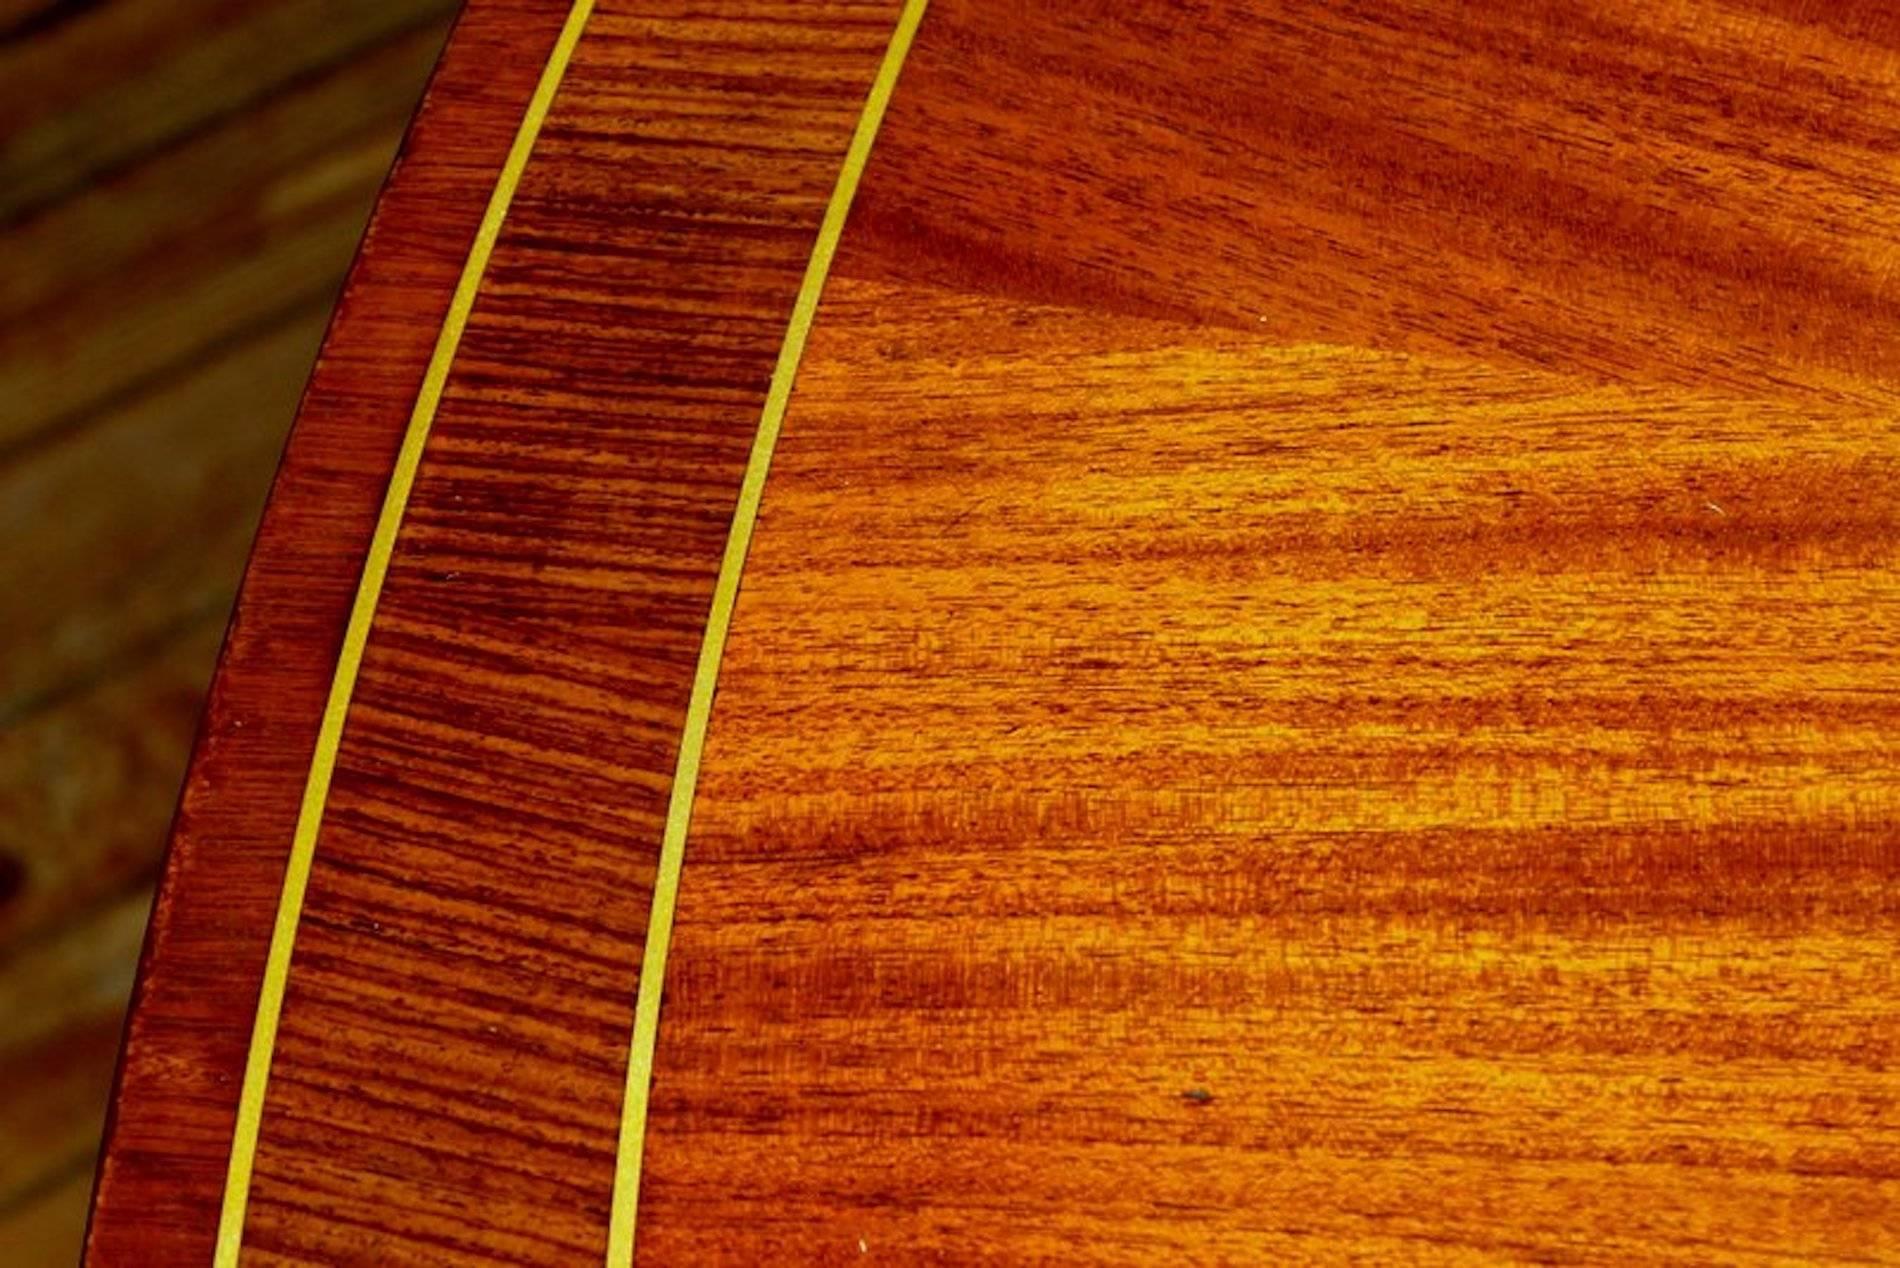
[[47, 1228], [186, 466], [88, 781], [183, 185], [64, 1000], [122, 79], [199, 197]]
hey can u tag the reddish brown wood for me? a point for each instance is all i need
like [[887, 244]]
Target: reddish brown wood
[[162, 1175], [1316, 682], [458, 1011], [1317, 678]]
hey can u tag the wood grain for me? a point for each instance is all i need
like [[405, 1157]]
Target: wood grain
[[1269, 840], [64, 1001], [1315, 684], [160, 1180], [63, 998], [87, 782], [1286, 706], [50, 1226], [141, 503], [83, 96], [146, 290], [444, 1004], [197, 248]]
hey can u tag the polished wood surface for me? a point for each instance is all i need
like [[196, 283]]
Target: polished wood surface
[[1315, 681], [549, 588], [160, 1182]]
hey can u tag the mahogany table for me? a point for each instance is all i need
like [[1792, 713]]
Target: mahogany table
[[1097, 631]]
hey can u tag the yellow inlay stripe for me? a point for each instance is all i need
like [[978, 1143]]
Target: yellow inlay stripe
[[270, 997], [679, 810]]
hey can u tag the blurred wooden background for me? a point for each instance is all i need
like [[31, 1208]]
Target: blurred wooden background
[[182, 183]]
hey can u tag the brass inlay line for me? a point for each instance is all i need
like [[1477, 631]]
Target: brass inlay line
[[679, 811], [270, 996]]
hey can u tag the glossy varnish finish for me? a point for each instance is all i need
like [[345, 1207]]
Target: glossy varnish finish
[[1201, 852], [161, 1179], [1315, 682], [1317, 677], [458, 1009]]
